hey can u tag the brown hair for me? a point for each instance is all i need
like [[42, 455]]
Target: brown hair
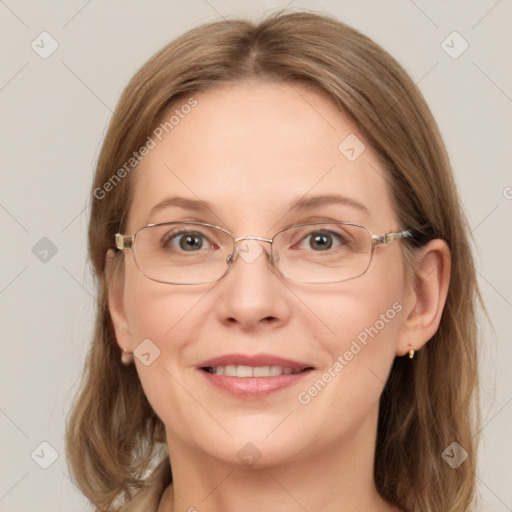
[[427, 403]]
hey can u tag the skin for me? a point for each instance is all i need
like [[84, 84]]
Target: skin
[[251, 150]]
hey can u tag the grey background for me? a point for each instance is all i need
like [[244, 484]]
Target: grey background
[[54, 113]]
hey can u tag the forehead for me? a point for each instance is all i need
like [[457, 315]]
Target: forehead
[[251, 150]]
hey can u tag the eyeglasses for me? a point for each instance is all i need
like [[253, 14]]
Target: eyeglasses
[[198, 253]]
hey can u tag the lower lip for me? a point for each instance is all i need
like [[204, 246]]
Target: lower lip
[[253, 386]]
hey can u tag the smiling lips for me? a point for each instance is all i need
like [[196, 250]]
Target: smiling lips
[[232, 370], [252, 376]]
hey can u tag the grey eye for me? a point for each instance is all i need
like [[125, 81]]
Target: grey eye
[[321, 241], [190, 242], [186, 241]]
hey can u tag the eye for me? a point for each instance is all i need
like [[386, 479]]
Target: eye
[[322, 240], [188, 241]]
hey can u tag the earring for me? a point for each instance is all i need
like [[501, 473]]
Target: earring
[[127, 357], [411, 351]]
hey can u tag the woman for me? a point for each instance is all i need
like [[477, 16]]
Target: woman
[[286, 290]]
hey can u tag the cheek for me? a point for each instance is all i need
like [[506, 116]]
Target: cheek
[[360, 354], [155, 313], [156, 310], [363, 317], [366, 310], [162, 322], [369, 330]]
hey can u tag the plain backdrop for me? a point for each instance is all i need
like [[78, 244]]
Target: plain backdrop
[[53, 114]]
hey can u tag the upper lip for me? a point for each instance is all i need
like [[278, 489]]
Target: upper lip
[[254, 361]]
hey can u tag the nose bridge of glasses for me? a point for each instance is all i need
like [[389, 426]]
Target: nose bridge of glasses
[[258, 238], [249, 252]]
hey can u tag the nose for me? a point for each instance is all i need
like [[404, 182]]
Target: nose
[[253, 294]]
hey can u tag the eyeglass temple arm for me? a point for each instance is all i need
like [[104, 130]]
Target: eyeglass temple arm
[[123, 241], [391, 237]]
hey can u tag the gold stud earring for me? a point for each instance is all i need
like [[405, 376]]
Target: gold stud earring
[[411, 351], [127, 357]]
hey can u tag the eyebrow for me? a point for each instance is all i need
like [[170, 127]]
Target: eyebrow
[[310, 203], [300, 205], [197, 205]]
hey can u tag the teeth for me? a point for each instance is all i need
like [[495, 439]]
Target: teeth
[[229, 370], [244, 371], [232, 370], [275, 371], [261, 371]]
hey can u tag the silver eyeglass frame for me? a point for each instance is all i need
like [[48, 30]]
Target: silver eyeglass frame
[[123, 242]]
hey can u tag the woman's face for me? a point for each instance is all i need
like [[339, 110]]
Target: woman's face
[[252, 151]]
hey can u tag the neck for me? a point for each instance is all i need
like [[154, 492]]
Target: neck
[[338, 479]]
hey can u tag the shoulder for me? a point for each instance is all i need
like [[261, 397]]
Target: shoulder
[[148, 498]]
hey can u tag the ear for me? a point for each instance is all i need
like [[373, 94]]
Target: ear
[[425, 296], [115, 292]]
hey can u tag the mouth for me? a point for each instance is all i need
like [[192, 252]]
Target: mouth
[[253, 376], [244, 371]]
